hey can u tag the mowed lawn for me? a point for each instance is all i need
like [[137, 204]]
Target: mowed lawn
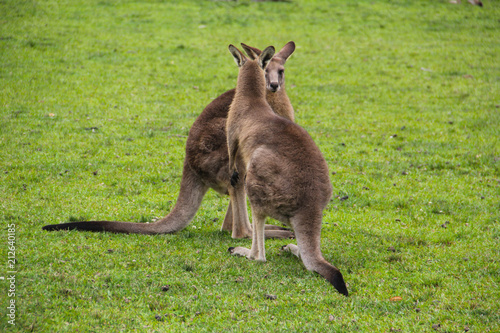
[[96, 102]]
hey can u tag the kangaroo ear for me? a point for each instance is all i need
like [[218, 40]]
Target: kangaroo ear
[[252, 52], [266, 56], [286, 51], [239, 58]]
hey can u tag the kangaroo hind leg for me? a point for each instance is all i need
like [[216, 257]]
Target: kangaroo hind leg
[[227, 225], [257, 251], [274, 231], [241, 227]]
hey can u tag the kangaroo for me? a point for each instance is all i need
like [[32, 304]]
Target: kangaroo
[[206, 165], [285, 173]]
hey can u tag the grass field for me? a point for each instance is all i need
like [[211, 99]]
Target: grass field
[[96, 101]]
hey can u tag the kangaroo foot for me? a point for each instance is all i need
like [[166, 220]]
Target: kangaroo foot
[[294, 249], [239, 251], [244, 252]]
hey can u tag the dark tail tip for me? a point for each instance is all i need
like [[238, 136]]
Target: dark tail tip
[[51, 227], [332, 275], [97, 226], [337, 280]]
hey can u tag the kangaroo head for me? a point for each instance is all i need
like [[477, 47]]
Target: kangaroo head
[[275, 70], [263, 59]]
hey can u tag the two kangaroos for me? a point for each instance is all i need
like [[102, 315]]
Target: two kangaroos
[[206, 165], [285, 173]]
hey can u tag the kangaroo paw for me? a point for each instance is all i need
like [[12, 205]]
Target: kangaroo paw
[[235, 178]]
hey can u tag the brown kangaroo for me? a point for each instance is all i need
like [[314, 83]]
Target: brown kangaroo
[[206, 165], [285, 173]]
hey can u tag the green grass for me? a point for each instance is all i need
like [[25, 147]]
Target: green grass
[[402, 97]]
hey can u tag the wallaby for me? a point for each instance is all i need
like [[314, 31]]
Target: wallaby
[[285, 174], [206, 165]]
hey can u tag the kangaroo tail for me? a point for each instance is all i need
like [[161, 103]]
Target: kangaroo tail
[[308, 241], [189, 200], [101, 226], [332, 275]]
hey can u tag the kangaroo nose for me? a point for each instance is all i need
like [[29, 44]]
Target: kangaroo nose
[[274, 86]]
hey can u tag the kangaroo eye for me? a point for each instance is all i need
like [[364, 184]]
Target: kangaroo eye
[[281, 72]]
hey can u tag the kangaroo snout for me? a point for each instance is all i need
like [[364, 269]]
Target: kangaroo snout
[[274, 86]]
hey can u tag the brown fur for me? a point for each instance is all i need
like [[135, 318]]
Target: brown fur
[[285, 172], [206, 166]]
